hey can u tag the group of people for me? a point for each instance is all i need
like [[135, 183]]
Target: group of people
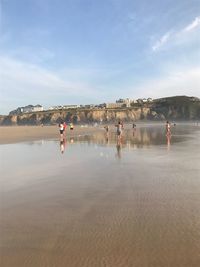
[[119, 129], [63, 126], [120, 126]]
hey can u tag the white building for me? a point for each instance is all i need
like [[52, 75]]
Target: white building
[[38, 108], [139, 100], [126, 102], [71, 106], [114, 105], [31, 108], [27, 109], [55, 108]]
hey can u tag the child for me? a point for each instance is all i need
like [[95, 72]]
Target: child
[[71, 126], [168, 127]]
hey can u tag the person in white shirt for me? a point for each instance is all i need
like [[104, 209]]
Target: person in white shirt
[[61, 128]]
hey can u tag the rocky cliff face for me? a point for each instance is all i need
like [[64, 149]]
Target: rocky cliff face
[[174, 108], [76, 116], [178, 108]]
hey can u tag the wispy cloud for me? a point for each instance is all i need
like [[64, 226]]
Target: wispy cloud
[[195, 23], [173, 36], [176, 82], [161, 42], [31, 83], [31, 54]]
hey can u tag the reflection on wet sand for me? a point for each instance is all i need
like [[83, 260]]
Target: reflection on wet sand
[[144, 137], [133, 138], [119, 148], [62, 144], [85, 210], [168, 140]]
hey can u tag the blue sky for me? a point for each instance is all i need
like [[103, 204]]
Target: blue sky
[[56, 52]]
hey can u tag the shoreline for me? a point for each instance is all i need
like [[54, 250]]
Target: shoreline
[[17, 134]]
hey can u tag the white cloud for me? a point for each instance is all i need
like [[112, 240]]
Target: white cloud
[[175, 37], [176, 82], [32, 75], [27, 83], [161, 42], [193, 25]]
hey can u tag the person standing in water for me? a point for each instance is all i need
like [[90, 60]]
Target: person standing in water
[[134, 129], [71, 126], [106, 128], [168, 128], [119, 129]]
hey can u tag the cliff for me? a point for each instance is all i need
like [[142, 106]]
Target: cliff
[[171, 108]]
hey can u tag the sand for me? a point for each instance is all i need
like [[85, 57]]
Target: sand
[[100, 203], [14, 134]]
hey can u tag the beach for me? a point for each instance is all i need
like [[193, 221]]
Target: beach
[[99, 201], [13, 134]]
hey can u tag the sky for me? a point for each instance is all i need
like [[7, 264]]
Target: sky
[[59, 52]]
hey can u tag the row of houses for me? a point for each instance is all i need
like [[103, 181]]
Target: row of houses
[[36, 108], [127, 102], [120, 103], [64, 107], [26, 109]]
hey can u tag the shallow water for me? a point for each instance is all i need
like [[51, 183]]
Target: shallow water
[[95, 201]]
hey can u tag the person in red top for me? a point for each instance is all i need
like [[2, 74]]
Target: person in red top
[[64, 126]]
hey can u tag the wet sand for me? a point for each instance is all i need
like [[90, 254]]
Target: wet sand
[[101, 202], [13, 134]]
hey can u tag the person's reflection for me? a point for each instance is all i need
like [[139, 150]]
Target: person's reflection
[[62, 145], [134, 130], [106, 138], [119, 147], [168, 141]]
